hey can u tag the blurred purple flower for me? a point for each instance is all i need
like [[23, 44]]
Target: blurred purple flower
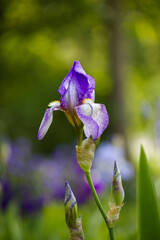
[[31, 205], [77, 101], [34, 180], [18, 177], [105, 157], [7, 193]]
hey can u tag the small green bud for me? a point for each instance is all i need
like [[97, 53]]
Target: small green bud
[[70, 203], [117, 188], [85, 154], [71, 215]]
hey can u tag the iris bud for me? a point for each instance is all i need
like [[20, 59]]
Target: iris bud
[[118, 195], [117, 188], [73, 221]]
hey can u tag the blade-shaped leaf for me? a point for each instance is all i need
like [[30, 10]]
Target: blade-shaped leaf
[[148, 212]]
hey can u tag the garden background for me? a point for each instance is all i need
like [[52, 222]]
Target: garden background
[[118, 44]]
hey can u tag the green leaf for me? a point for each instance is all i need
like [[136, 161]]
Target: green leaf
[[148, 212]]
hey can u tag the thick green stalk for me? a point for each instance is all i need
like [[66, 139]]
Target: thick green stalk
[[79, 132], [111, 233]]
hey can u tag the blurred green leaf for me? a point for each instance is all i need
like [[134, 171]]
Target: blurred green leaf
[[148, 212]]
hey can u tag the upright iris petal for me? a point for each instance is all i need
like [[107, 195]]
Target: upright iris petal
[[94, 117], [76, 86]]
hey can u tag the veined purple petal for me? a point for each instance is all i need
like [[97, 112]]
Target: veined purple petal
[[94, 117], [47, 119], [91, 128], [76, 86]]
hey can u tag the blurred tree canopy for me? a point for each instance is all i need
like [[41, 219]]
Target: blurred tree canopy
[[117, 42]]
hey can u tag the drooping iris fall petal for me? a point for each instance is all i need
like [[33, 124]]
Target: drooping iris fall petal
[[47, 119], [94, 117]]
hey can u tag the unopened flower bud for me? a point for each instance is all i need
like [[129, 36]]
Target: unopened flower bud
[[85, 154], [117, 188], [71, 214], [70, 206]]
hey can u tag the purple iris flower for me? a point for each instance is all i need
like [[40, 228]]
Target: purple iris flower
[[77, 101]]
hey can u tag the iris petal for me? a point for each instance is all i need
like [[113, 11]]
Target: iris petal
[[47, 119], [76, 86], [94, 117]]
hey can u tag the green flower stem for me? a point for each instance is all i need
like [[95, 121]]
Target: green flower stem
[[111, 233], [99, 205], [79, 132], [89, 179]]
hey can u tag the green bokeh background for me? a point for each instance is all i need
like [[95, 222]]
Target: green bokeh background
[[39, 40]]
